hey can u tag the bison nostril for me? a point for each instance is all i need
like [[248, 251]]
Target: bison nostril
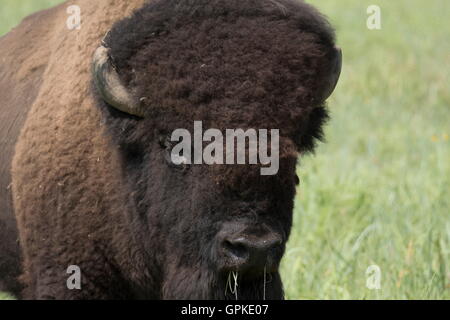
[[246, 253], [235, 249]]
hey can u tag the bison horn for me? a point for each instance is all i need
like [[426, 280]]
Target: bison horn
[[110, 86], [335, 73]]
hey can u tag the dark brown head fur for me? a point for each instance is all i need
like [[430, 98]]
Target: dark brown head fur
[[230, 64]]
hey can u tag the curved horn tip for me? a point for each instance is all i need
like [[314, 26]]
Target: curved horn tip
[[110, 87], [335, 74]]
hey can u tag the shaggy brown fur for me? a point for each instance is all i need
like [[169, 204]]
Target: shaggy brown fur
[[63, 165], [94, 189], [221, 62], [21, 71]]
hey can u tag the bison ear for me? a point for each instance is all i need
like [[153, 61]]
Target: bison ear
[[110, 86], [335, 73]]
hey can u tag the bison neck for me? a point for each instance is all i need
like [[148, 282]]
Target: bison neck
[[68, 195]]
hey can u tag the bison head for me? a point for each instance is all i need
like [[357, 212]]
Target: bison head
[[213, 231]]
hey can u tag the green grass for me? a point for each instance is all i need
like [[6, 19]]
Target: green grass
[[378, 191], [4, 296], [13, 11]]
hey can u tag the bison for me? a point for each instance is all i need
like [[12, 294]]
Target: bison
[[86, 121]]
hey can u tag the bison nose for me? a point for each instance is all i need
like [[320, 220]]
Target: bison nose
[[245, 253]]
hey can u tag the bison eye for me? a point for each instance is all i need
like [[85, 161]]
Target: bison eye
[[176, 162]]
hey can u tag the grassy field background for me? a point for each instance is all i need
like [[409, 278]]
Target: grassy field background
[[377, 193]]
